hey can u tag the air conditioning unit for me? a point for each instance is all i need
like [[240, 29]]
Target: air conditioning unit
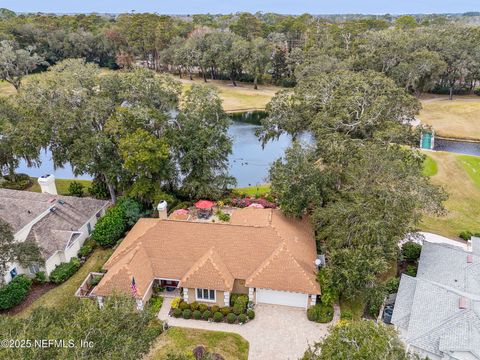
[[320, 260]]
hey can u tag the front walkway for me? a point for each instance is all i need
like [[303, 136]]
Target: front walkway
[[277, 332]]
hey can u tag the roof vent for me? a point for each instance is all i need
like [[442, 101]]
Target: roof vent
[[469, 259], [61, 202], [462, 303], [320, 260]]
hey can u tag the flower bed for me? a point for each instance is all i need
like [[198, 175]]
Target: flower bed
[[247, 201], [239, 313]]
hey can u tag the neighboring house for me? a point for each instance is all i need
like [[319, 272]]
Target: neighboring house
[[438, 312], [58, 224], [260, 253]]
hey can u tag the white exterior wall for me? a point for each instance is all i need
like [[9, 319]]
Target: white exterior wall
[[59, 256]]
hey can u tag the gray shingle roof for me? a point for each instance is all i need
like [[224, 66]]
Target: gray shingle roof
[[427, 307], [53, 231]]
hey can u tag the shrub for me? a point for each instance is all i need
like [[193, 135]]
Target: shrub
[[238, 309], [465, 235], [321, 313], [411, 270], [98, 189], [14, 292], [411, 251], [218, 317], [85, 250], [374, 299], [18, 182], [132, 210], [76, 189], [64, 271], [477, 91], [155, 303], [187, 314], [392, 285], [95, 280], [231, 318], [202, 308], [215, 308], [242, 318], [346, 315], [312, 314], [207, 314], [177, 313], [194, 306], [111, 227], [184, 305], [175, 303], [41, 277], [239, 299], [251, 314], [226, 310], [224, 217], [197, 315]]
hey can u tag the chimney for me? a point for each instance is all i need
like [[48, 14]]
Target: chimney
[[462, 303], [47, 184], [475, 245], [162, 210]]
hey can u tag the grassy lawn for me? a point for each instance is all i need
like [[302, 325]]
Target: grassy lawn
[[460, 176], [354, 306], [458, 118], [430, 167], [181, 340], [65, 291], [241, 97], [62, 185], [258, 190]]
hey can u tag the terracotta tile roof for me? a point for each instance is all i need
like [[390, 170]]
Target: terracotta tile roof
[[210, 255], [209, 272]]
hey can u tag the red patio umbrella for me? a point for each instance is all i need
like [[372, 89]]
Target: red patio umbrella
[[204, 204]]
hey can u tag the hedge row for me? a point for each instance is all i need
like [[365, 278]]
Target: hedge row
[[64, 271], [14, 292], [231, 314]]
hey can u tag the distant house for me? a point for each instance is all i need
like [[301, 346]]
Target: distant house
[[58, 224], [260, 253], [438, 312]]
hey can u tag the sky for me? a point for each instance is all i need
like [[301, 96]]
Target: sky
[[229, 6]]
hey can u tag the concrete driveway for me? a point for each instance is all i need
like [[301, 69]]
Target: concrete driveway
[[277, 332]]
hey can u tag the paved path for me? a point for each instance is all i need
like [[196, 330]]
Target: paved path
[[277, 332]]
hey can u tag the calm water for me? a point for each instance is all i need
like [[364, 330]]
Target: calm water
[[249, 162], [459, 147]]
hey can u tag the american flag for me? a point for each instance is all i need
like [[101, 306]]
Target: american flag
[[134, 287]]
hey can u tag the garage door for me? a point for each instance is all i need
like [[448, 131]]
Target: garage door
[[286, 298]]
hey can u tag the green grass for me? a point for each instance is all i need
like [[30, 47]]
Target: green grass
[[471, 164], [257, 190], [355, 306], [459, 175], [61, 294], [62, 185], [183, 341], [430, 167]]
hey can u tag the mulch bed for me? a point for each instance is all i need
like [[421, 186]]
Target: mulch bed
[[35, 292]]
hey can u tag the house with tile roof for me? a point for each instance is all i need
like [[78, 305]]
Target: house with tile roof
[[58, 224], [260, 252], [437, 312]]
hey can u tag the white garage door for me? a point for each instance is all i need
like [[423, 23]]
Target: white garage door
[[267, 296]]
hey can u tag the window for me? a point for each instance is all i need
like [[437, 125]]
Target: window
[[13, 272], [206, 294], [89, 228], [33, 268]]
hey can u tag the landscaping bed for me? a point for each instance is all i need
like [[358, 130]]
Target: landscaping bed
[[36, 291], [238, 313]]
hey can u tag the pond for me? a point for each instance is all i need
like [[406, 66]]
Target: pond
[[249, 162], [459, 147]]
